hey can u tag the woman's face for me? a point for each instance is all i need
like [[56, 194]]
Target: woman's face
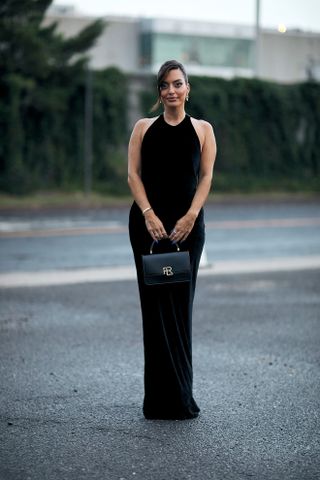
[[174, 89]]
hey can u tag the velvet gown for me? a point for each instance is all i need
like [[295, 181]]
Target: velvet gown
[[170, 163]]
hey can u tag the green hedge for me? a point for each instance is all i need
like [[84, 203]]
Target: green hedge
[[268, 135], [42, 141]]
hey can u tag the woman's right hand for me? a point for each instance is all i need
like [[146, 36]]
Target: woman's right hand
[[155, 226]]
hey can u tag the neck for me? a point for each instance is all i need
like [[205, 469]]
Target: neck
[[174, 115]]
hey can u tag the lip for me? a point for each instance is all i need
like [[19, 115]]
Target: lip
[[172, 99]]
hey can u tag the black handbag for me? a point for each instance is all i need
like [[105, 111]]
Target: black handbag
[[166, 268]]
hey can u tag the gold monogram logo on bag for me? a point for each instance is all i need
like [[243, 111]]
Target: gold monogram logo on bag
[[167, 271]]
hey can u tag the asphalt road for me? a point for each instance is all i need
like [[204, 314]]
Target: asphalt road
[[71, 365], [71, 358], [44, 241]]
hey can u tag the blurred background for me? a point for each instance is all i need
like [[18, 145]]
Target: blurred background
[[76, 76]]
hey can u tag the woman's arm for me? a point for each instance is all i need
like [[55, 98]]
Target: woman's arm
[[209, 149], [153, 223]]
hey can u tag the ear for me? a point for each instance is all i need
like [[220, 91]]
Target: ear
[[188, 87]]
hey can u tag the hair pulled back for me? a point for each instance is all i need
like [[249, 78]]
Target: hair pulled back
[[165, 68]]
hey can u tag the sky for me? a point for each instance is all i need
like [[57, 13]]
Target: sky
[[301, 14]]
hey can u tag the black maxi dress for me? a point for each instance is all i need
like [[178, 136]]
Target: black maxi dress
[[170, 163]]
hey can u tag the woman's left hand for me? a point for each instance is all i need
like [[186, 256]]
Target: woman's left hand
[[183, 227]]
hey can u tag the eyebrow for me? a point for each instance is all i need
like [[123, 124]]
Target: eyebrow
[[174, 81]]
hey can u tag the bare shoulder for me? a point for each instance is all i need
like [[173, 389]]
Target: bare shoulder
[[202, 124], [203, 129], [142, 125]]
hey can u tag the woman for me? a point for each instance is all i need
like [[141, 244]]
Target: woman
[[170, 166]]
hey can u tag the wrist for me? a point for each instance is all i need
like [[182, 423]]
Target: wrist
[[193, 213], [146, 210], [148, 214]]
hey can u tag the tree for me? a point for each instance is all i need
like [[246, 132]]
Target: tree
[[39, 71], [30, 49]]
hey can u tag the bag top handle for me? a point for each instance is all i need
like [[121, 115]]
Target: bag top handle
[[156, 241]]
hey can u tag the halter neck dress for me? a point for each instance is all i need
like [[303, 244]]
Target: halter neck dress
[[170, 165]]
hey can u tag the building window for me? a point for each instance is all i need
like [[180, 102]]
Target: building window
[[197, 50], [145, 49]]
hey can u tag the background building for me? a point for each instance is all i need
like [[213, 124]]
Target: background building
[[141, 45], [138, 46]]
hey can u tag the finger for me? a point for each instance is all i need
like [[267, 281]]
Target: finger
[[182, 236], [162, 231], [160, 234], [173, 234], [176, 238], [153, 234]]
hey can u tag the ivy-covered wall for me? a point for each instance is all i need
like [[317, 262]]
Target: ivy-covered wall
[[42, 133], [268, 135]]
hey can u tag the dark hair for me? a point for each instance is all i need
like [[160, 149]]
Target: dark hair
[[165, 68]]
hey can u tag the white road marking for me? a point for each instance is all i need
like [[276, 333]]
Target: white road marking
[[114, 274]]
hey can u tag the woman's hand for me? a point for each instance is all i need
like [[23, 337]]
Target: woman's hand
[[155, 226], [183, 227]]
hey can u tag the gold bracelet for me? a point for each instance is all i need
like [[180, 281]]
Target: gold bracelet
[[146, 210]]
